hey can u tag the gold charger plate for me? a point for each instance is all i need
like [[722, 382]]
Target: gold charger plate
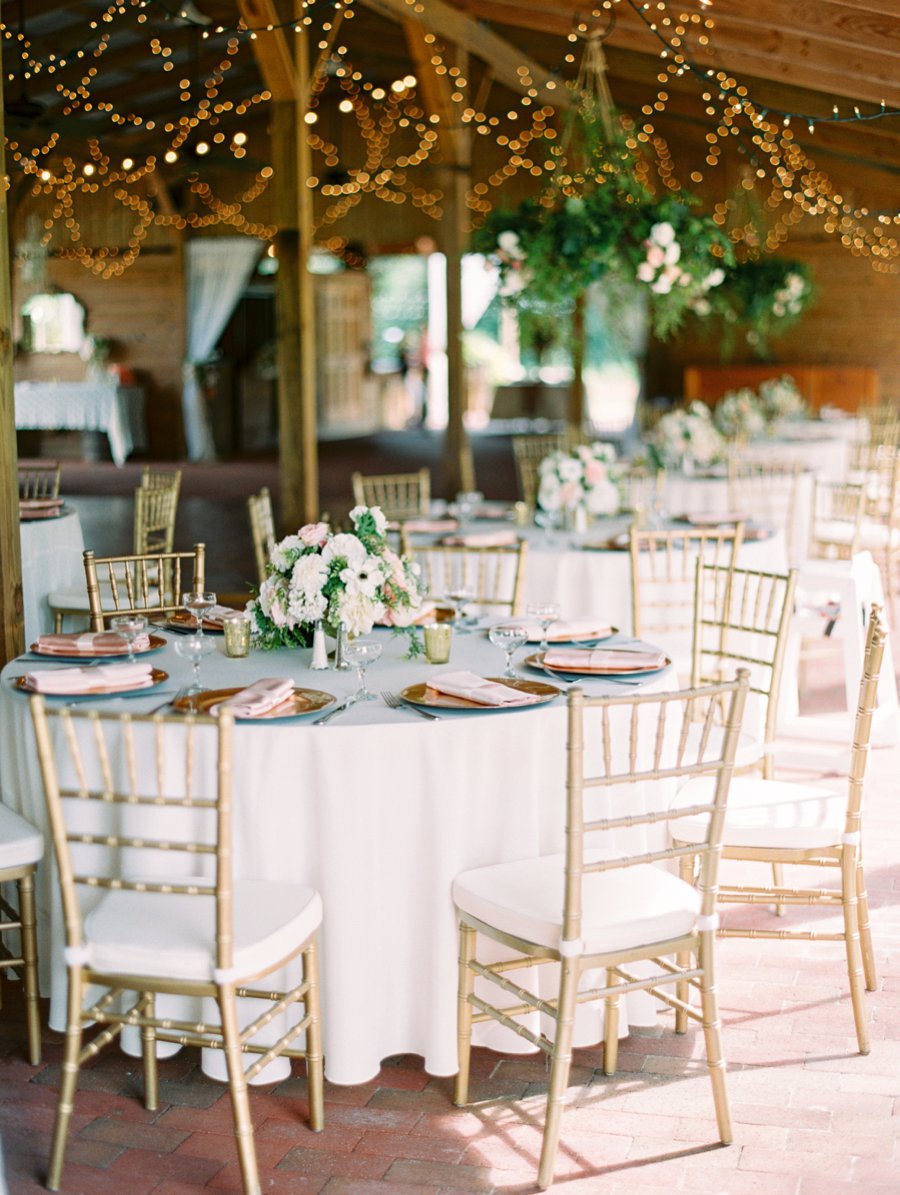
[[568, 640], [157, 676], [421, 695], [301, 703], [157, 643], [537, 661]]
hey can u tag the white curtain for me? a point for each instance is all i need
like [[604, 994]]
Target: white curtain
[[217, 271]]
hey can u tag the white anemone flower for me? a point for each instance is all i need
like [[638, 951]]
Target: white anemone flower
[[347, 546], [662, 233]]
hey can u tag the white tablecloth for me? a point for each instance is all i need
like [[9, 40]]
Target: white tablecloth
[[379, 811], [52, 559], [101, 405]]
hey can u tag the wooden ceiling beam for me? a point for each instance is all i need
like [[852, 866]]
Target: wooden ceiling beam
[[508, 64], [814, 22], [271, 49], [435, 90]]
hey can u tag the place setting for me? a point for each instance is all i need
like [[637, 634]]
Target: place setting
[[270, 699]]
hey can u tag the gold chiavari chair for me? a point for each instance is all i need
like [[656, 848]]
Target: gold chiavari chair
[[663, 581], [742, 619], [155, 510], [160, 479], [529, 451], [787, 823], [768, 490], [400, 495], [880, 530], [21, 849], [494, 576], [604, 903], [642, 490], [151, 905], [39, 481], [837, 515], [262, 529], [150, 584]]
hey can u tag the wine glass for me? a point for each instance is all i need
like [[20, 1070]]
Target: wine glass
[[129, 626], [193, 648], [545, 613], [508, 636], [197, 604], [362, 653], [459, 596]]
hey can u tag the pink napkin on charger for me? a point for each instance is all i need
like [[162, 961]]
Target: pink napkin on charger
[[564, 630], [711, 518], [598, 659], [257, 699], [430, 525], [107, 678], [99, 643], [476, 688], [215, 614], [482, 539]]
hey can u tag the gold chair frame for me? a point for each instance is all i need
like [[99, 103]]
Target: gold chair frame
[[24, 922], [767, 488], [496, 575], [91, 756], [667, 561], [400, 495], [149, 584], [262, 529], [529, 451], [742, 619], [160, 479], [844, 855], [580, 861], [836, 502], [39, 481], [155, 510]]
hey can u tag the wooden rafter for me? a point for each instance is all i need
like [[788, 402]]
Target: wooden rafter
[[271, 49]]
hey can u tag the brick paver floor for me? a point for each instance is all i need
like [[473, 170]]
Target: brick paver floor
[[811, 1116]]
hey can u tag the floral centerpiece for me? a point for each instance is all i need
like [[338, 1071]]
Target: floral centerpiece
[[738, 415], [780, 399], [351, 579], [584, 479], [686, 436]]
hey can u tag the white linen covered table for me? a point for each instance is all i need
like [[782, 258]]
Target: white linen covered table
[[102, 405], [52, 559], [379, 811]]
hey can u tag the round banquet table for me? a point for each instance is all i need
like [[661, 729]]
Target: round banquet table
[[52, 559], [379, 810]]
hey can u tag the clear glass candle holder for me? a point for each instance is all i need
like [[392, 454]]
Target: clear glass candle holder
[[237, 634], [438, 638]]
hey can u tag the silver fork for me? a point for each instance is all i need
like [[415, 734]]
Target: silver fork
[[394, 702]]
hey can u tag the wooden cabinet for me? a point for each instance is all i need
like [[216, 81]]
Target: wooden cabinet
[[846, 386]]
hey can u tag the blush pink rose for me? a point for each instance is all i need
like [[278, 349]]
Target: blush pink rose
[[313, 535]]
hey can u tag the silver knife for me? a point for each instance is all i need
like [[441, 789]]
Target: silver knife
[[345, 705]]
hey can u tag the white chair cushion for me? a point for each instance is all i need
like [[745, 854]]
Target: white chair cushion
[[20, 842], [630, 907], [750, 749], [775, 814], [69, 599], [173, 935]]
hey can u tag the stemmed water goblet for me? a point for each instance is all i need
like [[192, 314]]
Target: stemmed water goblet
[[193, 648], [129, 626], [545, 613], [509, 636], [362, 653], [459, 596], [197, 604]]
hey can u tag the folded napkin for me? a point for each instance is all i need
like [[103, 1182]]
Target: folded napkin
[[107, 678], [482, 539], [564, 630], [215, 614], [430, 525], [477, 689], [712, 518], [40, 503], [257, 699], [101, 643], [598, 659]]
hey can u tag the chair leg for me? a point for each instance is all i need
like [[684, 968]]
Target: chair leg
[[464, 1014], [315, 1063], [778, 881], [560, 1065], [68, 1078], [854, 952], [237, 1085], [29, 959], [611, 1027], [148, 1052], [865, 930], [683, 988], [57, 621], [712, 1032]]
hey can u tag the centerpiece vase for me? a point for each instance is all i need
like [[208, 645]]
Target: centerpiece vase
[[340, 663]]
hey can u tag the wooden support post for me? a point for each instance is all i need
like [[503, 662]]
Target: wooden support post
[[457, 460], [576, 394], [11, 611]]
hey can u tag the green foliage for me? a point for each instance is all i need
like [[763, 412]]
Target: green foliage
[[761, 298]]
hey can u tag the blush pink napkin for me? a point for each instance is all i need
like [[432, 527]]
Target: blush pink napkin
[[430, 525], [101, 643], [710, 518], [476, 688], [598, 659], [108, 678], [257, 699], [564, 630], [214, 615], [482, 539]]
